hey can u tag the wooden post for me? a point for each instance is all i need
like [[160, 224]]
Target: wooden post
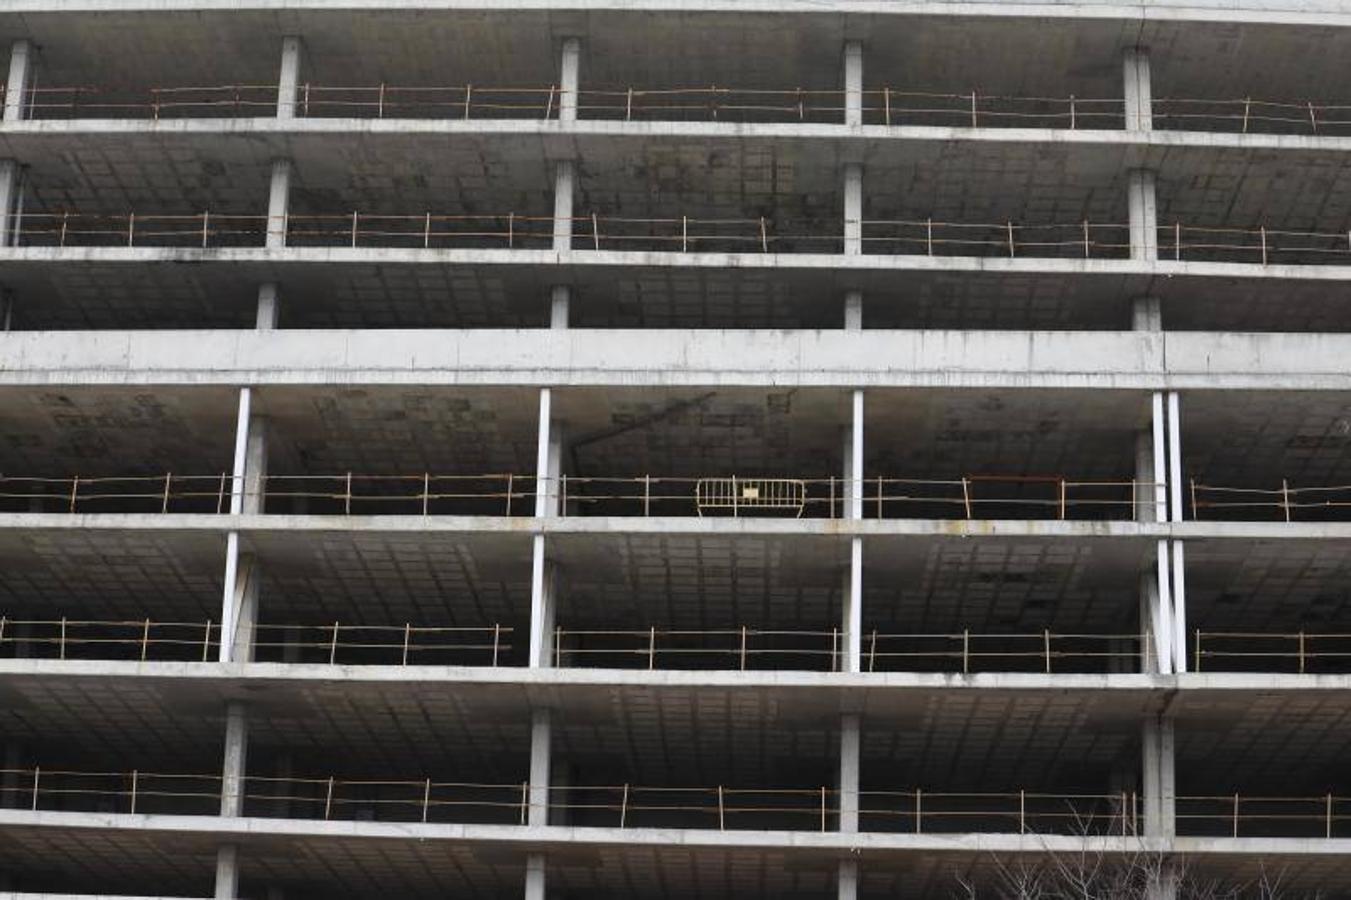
[[134, 776], [722, 818], [624, 807], [651, 648], [333, 646], [145, 639], [743, 648], [407, 633], [328, 799], [426, 797], [206, 641]]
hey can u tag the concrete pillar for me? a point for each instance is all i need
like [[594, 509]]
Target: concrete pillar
[[560, 299], [1158, 783], [268, 307], [1146, 314], [569, 79], [1174, 457], [1144, 215], [1138, 93], [227, 872], [853, 209], [288, 79], [1180, 664], [853, 311], [534, 876], [10, 185], [543, 607], [19, 81], [279, 204], [847, 880], [6, 311], [236, 760], [853, 83], [541, 758], [850, 755]]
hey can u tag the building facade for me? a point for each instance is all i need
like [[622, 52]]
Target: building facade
[[639, 448]]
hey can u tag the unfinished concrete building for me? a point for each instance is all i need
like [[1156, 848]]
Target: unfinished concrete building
[[666, 449]]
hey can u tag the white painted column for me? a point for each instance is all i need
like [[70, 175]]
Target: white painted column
[[279, 204], [1175, 514], [1139, 94], [851, 624], [1144, 215], [19, 82], [853, 209], [853, 83], [288, 79], [239, 610], [548, 502]]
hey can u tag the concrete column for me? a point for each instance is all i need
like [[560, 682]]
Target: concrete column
[[853, 311], [279, 204], [569, 79], [268, 307], [6, 311], [227, 872], [236, 760], [534, 876], [19, 81], [543, 607], [560, 300], [288, 79], [1158, 787], [1138, 93], [541, 758], [1144, 215], [565, 176], [850, 743], [853, 83], [10, 186], [853, 209]]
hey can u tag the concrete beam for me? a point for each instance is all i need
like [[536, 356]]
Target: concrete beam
[[693, 357]]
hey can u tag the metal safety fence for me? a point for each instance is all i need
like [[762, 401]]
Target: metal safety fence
[[626, 805], [145, 640], [911, 237], [983, 496], [748, 648], [885, 105]]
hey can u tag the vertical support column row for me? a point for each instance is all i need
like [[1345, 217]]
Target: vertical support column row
[[239, 611]]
